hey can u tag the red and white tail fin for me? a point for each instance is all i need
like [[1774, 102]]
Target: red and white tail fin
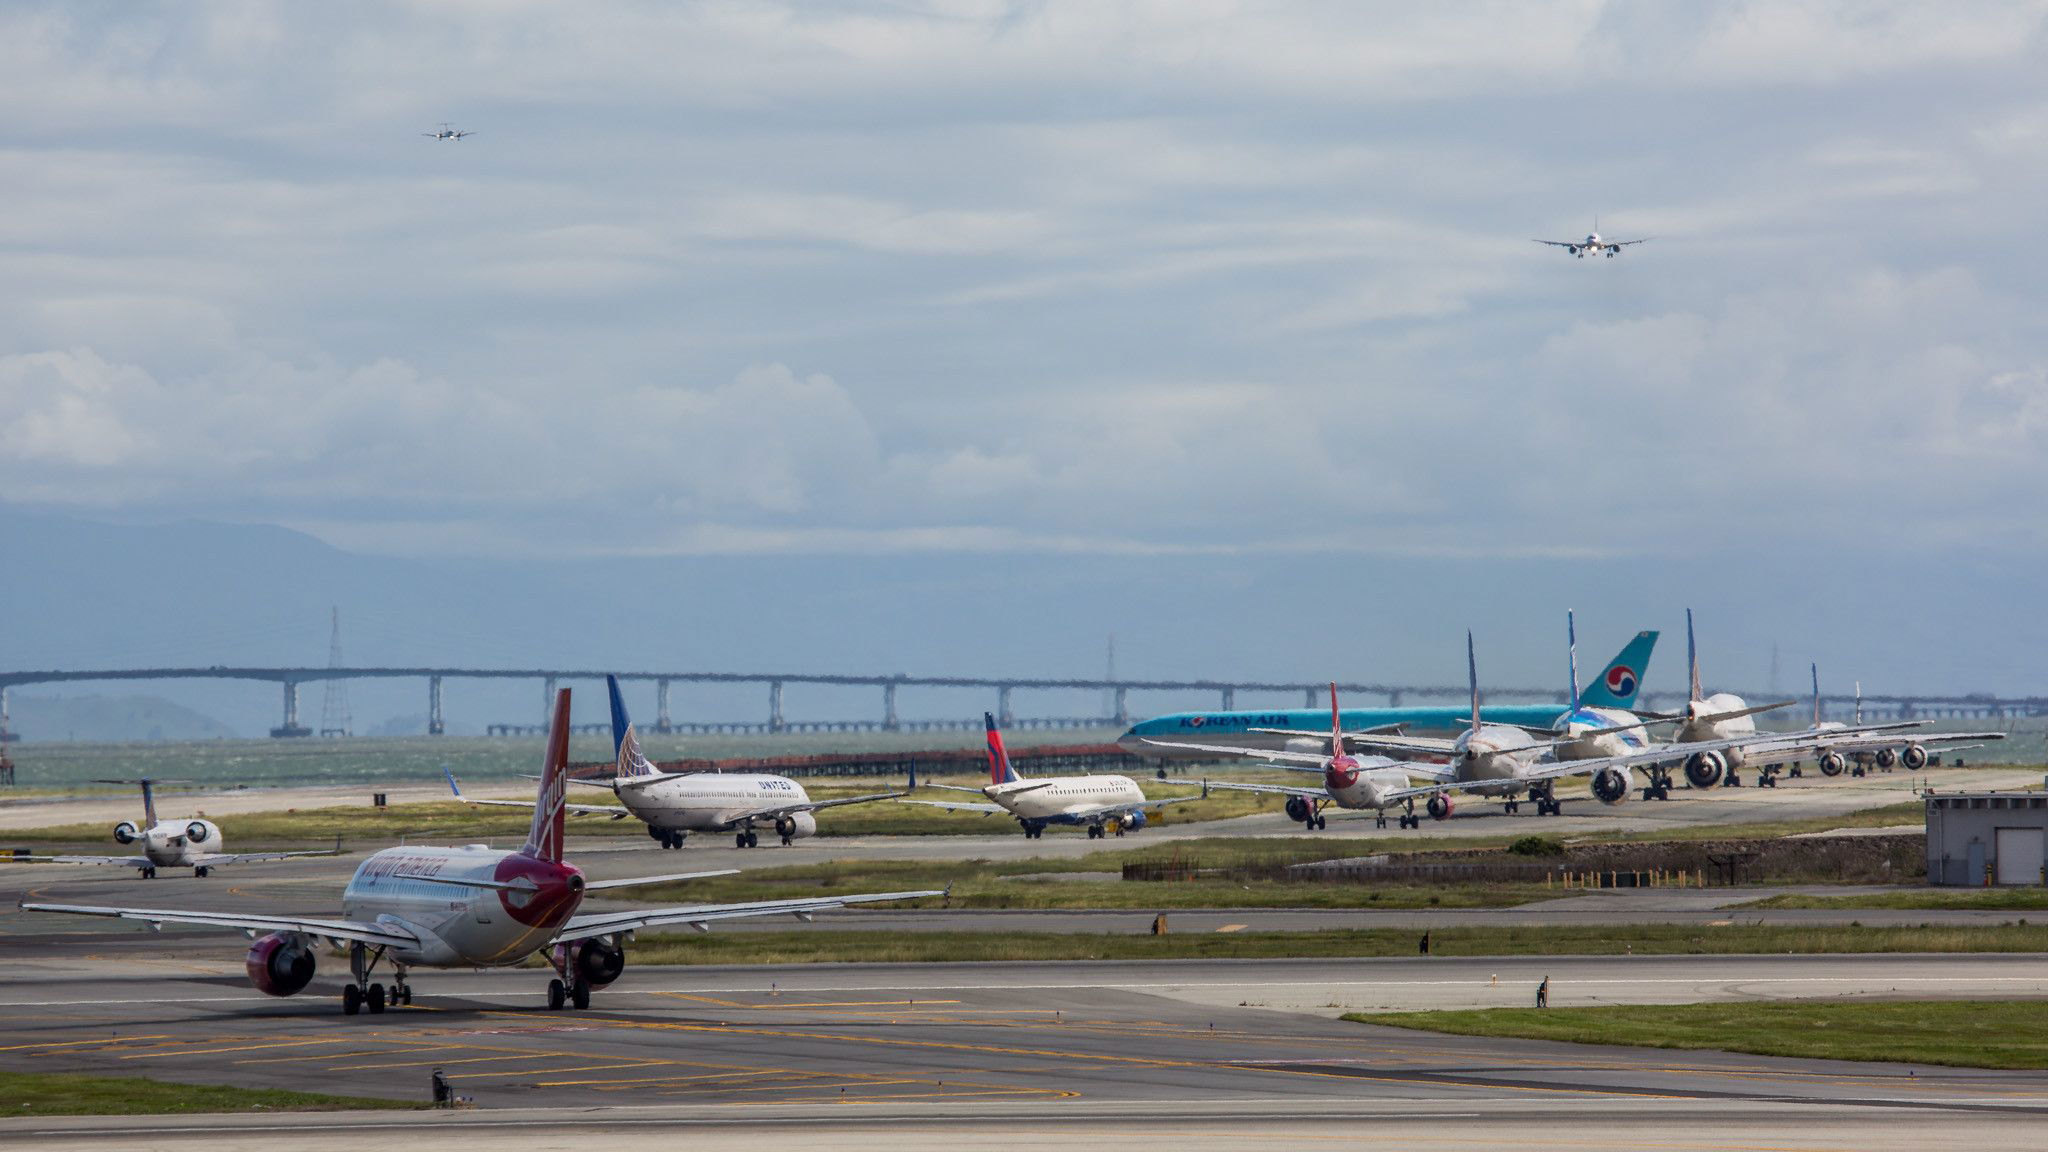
[[999, 770], [550, 811]]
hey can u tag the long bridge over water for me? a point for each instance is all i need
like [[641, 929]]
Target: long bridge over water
[[888, 687]]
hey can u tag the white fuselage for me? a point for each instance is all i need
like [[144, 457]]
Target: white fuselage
[[459, 926], [171, 844], [1061, 798], [1367, 789], [1706, 720], [708, 801], [1495, 753], [1607, 743]]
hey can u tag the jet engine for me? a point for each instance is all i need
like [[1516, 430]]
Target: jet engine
[[597, 962], [1611, 785], [280, 964], [1913, 756], [1704, 769], [1134, 820], [125, 833], [1831, 763], [1300, 810], [796, 825], [1886, 758], [1441, 807], [197, 831]]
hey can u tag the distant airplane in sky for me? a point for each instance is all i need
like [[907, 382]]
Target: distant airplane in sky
[[447, 132], [1593, 242]]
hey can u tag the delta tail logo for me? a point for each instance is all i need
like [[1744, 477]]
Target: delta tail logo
[[1621, 680]]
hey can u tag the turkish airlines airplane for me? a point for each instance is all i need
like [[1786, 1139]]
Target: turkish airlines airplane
[[1104, 804], [674, 804], [470, 907], [187, 842]]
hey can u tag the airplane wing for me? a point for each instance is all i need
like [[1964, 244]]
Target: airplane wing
[[216, 859], [1112, 809], [129, 861], [1558, 243], [334, 931], [961, 806], [1626, 243], [1814, 745], [1316, 758], [611, 810], [1270, 789], [778, 810], [698, 916]]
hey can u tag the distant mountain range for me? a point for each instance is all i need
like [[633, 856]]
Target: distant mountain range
[[50, 718], [79, 593]]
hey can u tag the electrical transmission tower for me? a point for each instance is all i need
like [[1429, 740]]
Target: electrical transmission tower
[[334, 717]]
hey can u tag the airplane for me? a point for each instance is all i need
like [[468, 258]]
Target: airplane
[[1503, 760], [1835, 747], [470, 907], [1301, 729], [1349, 782], [1104, 804], [447, 132], [674, 804], [190, 842], [1594, 242], [1722, 716]]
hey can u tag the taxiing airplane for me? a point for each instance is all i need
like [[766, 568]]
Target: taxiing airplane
[[674, 804], [470, 907], [188, 842], [1301, 729], [1104, 804], [447, 132], [1499, 760], [1594, 243], [1835, 747], [1723, 716]]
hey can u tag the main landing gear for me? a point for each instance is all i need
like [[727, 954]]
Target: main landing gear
[[1033, 830], [575, 992], [746, 838], [665, 837], [364, 995], [149, 873], [1408, 817], [1659, 787], [202, 871], [1547, 803]]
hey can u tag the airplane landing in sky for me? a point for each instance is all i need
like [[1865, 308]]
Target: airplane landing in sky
[[1595, 243], [447, 132]]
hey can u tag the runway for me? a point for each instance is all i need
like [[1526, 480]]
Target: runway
[[1198, 1053]]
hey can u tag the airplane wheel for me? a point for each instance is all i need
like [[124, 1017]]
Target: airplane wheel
[[739, 839], [579, 995], [202, 872], [557, 995], [149, 873], [787, 841], [1856, 771], [351, 1000], [753, 840], [376, 999]]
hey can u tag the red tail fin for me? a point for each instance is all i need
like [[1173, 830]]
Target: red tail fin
[[544, 842]]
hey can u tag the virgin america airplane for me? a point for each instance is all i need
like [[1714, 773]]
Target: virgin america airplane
[[470, 907]]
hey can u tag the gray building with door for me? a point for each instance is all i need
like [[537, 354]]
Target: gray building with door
[[1977, 839]]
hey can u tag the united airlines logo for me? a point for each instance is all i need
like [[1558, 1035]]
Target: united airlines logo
[[1621, 680]]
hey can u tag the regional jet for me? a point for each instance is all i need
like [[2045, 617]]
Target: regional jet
[[447, 132], [1594, 243], [470, 907], [186, 842], [674, 804], [1103, 804]]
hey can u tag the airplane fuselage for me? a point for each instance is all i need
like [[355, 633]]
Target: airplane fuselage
[[708, 801], [1058, 799], [461, 926], [1706, 720], [172, 843], [1607, 743]]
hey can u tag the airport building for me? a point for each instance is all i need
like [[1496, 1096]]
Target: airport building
[[1977, 839]]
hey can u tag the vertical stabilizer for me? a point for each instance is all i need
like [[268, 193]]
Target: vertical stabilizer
[[1472, 677], [1571, 649], [999, 770], [627, 759], [1859, 702], [1816, 694], [148, 803], [550, 811], [1336, 725], [1692, 661], [1617, 684]]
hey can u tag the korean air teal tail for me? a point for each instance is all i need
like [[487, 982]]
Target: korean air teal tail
[[1617, 684]]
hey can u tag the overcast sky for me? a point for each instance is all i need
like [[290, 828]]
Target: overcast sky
[[744, 277]]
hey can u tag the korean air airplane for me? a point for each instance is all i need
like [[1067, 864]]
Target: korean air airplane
[[1613, 689]]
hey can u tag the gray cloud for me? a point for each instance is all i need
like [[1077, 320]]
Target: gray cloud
[[1054, 277]]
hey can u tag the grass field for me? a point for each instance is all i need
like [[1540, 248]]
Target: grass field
[[1984, 899], [1962, 1033], [66, 1094], [814, 947]]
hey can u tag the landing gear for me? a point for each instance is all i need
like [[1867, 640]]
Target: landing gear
[[1511, 807], [1732, 780], [1766, 779], [1323, 822], [1095, 831], [1409, 819], [1794, 773], [362, 961], [149, 873], [401, 992], [668, 839], [1033, 830], [558, 994], [1380, 820], [202, 872], [746, 839]]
